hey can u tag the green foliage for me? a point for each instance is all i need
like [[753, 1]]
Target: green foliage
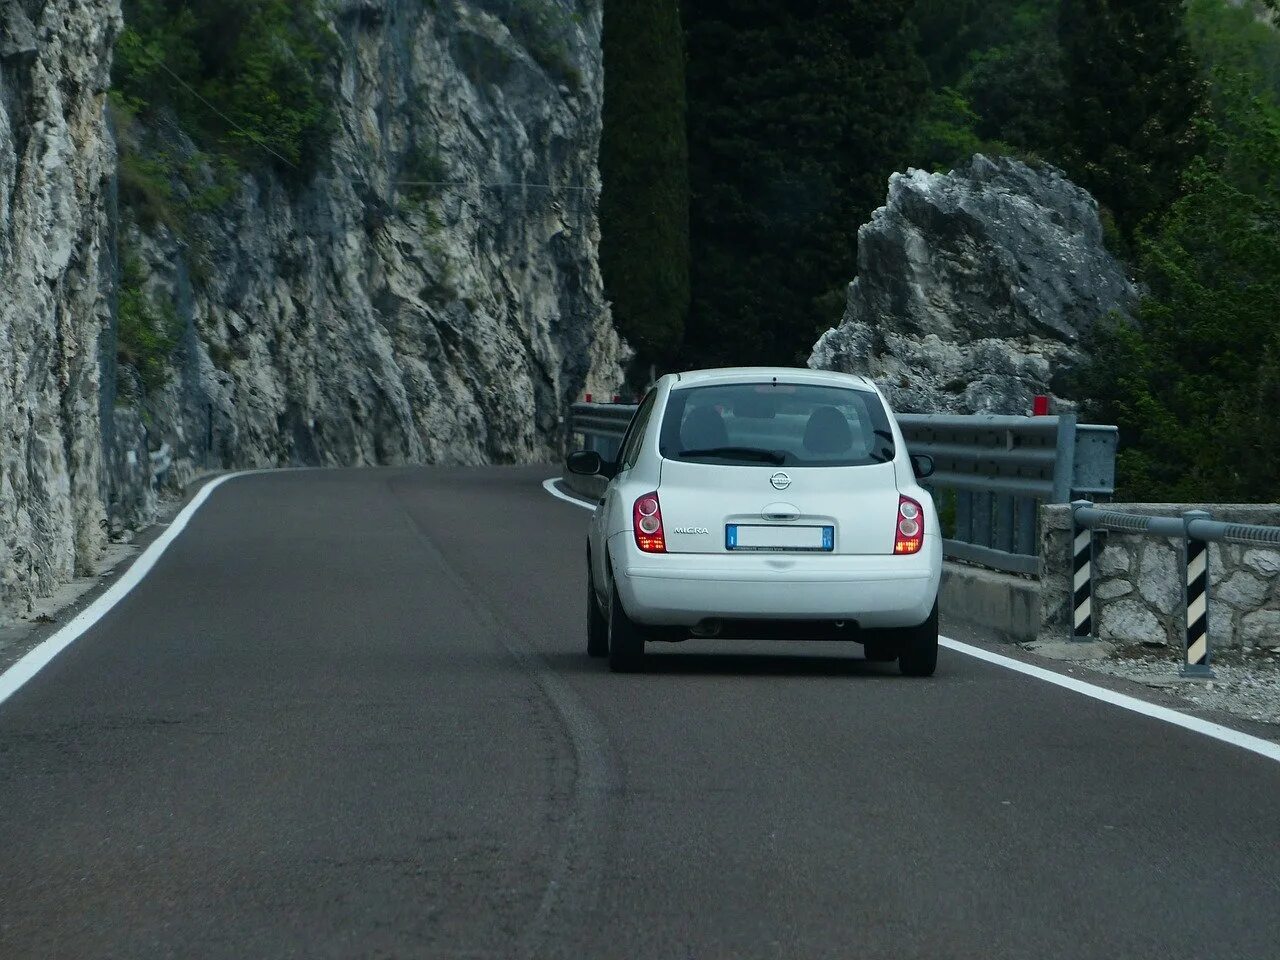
[[146, 333], [1017, 91], [1235, 39], [422, 174], [544, 28], [163, 188], [798, 113], [644, 209], [1194, 382], [257, 62], [996, 79], [1134, 95], [146, 186], [955, 34], [946, 133]]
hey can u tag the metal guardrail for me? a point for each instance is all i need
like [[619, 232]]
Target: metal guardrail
[[1195, 530], [599, 427], [990, 473]]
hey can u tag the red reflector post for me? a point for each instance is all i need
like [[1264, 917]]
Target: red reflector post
[[1040, 406]]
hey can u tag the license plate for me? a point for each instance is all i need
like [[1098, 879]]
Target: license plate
[[739, 536]]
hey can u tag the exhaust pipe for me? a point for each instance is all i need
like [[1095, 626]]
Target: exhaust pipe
[[707, 628]]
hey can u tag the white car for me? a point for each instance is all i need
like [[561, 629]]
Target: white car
[[763, 502]]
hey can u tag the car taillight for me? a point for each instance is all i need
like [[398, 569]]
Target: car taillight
[[646, 516], [909, 535]]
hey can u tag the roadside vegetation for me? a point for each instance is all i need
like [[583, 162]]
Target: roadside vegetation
[[1168, 112], [644, 163], [242, 77], [147, 331]]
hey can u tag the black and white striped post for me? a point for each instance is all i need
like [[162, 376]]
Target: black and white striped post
[[1082, 576], [1196, 650]]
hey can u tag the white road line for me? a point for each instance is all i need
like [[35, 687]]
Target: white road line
[[550, 487], [1263, 748], [36, 659]]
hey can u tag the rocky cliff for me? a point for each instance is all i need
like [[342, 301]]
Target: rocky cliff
[[430, 294], [56, 163], [975, 287]]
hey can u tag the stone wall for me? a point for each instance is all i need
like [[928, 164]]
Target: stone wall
[[1138, 590]]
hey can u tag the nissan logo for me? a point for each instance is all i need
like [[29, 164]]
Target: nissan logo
[[780, 481]]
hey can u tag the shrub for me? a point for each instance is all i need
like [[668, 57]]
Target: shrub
[[1194, 382], [242, 76], [146, 333]]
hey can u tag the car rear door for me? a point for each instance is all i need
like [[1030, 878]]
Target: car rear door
[[777, 468], [714, 508]]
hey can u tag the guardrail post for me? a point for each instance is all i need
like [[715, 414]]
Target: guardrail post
[[1082, 570], [1064, 467], [1195, 594]]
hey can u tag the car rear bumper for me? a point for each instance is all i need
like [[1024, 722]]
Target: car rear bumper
[[685, 589]]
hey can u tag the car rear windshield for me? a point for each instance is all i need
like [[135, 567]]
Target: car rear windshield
[[776, 424]]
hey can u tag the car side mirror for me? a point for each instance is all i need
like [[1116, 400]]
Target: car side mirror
[[586, 463], [922, 464]]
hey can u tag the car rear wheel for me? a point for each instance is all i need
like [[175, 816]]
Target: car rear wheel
[[918, 647], [597, 625], [626, 638]]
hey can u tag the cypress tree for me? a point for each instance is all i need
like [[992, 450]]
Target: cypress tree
[[1133, 94], [798, 112], [644, 208]]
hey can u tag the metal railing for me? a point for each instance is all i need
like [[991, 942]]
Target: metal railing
[[990, 473], [599, 427], [1194, 531]]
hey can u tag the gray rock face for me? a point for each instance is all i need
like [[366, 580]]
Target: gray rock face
[[1262, 628], [370, 319], [1131, 622], [54, 164], [1159, 579], [974, 288], [363, 316]]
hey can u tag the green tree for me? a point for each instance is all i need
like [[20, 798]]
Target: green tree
[[1133, 96], [644, 161], [1238, 39], [798, 112], [995, 77], [1194, 381]]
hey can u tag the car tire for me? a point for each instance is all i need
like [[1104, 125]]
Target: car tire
[[626, 638], [597, 625], [880, 651], [918, 648]]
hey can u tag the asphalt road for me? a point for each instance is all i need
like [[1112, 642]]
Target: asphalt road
[[349, 714]]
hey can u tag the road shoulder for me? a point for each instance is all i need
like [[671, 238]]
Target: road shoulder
[[20, 636]]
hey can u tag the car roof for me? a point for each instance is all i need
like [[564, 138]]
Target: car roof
[[829, 378]]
